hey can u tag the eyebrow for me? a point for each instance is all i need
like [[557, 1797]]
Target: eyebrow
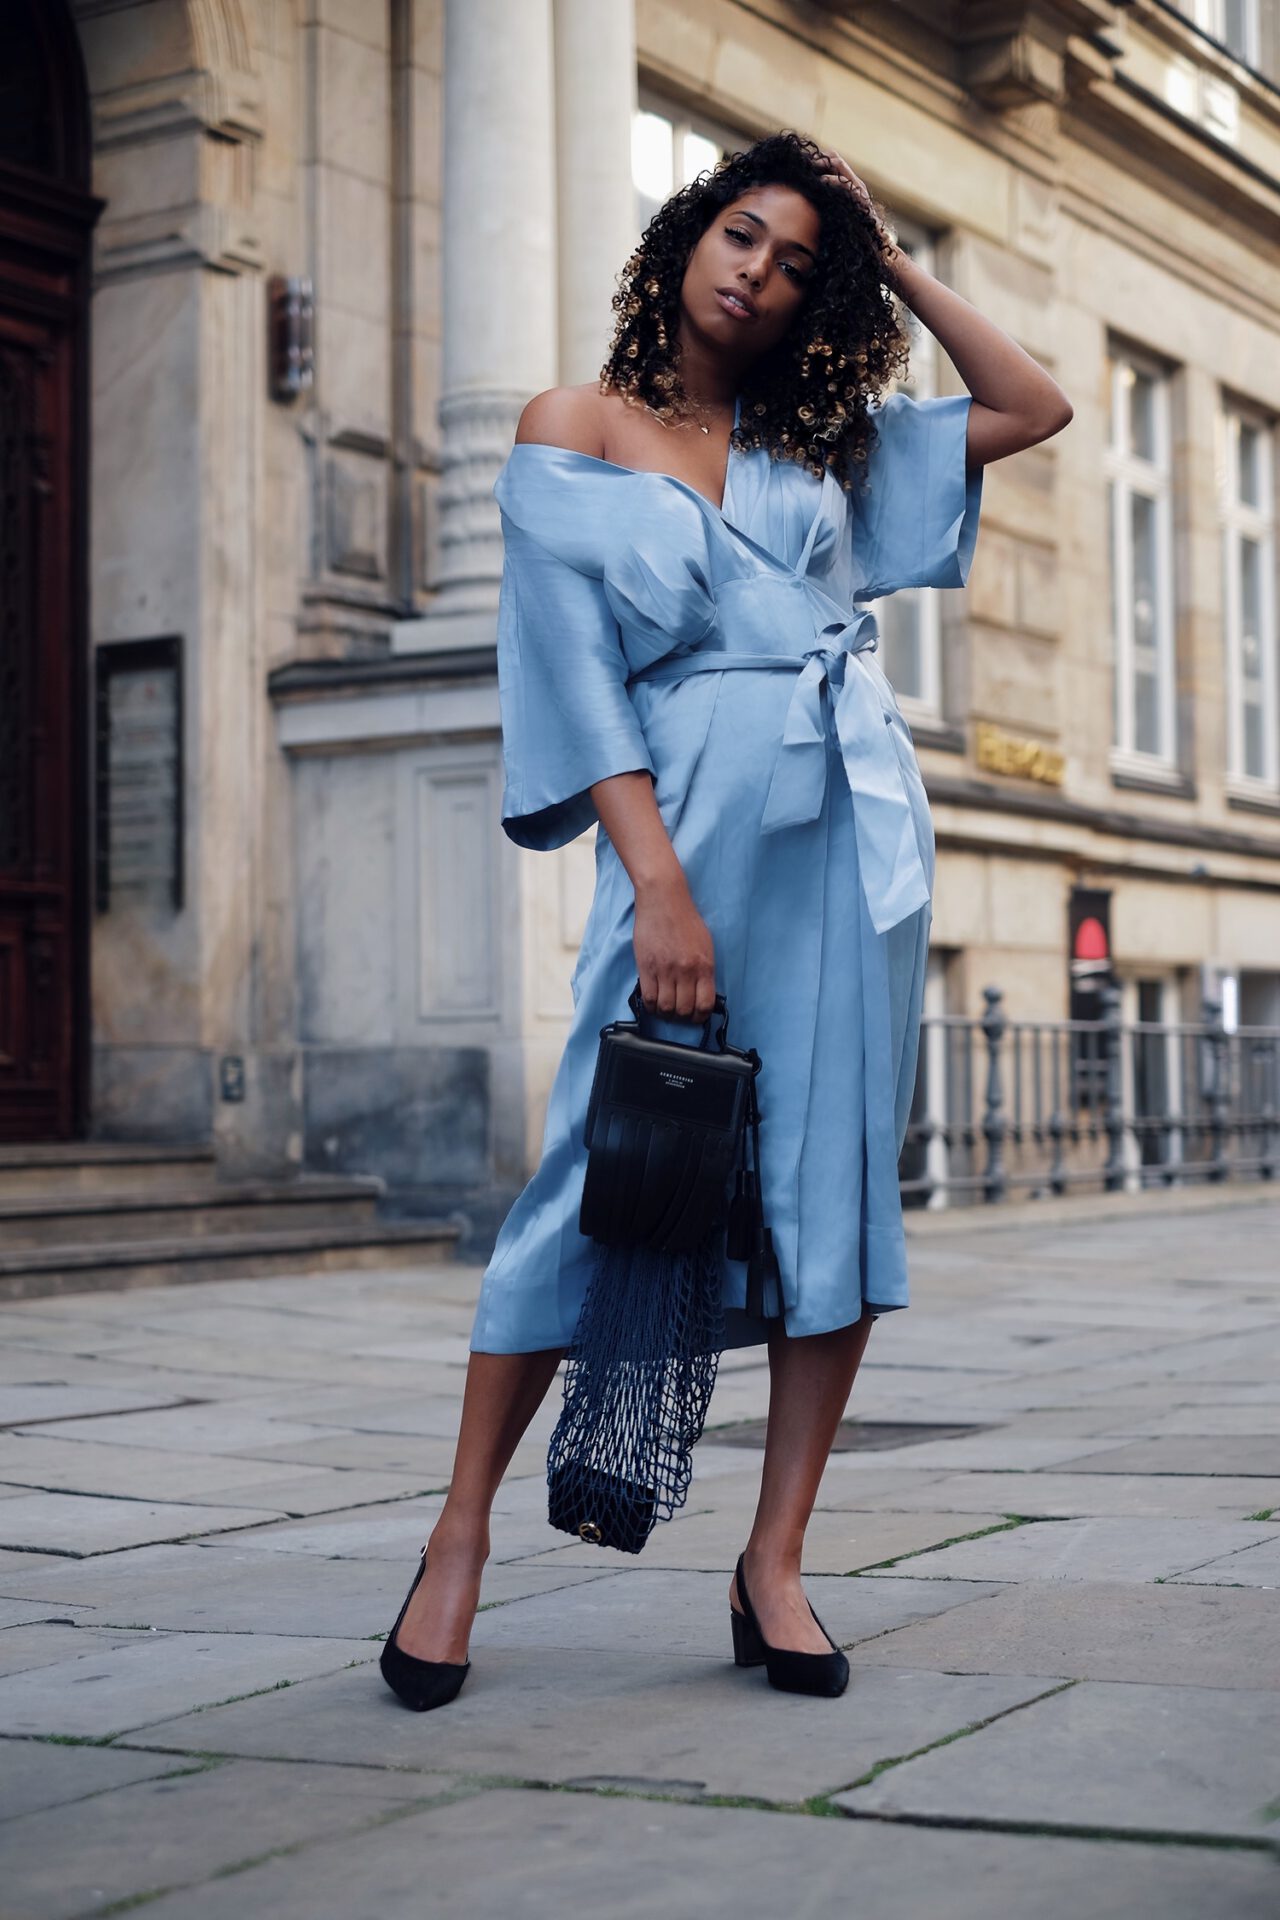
[[798, 246]]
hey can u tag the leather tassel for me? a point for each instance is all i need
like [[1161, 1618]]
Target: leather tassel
[[762, 1267], [744, 1210]]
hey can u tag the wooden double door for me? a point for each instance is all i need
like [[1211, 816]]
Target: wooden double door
[[46, 220]]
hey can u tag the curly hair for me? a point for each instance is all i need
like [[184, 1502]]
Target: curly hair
[[806, 399]]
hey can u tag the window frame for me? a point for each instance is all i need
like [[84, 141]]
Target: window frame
[[1210, 16], [682, 120], [1129, 474], [1238, 520]]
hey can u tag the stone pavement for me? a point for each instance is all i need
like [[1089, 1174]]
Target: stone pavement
[[1063, 1621]]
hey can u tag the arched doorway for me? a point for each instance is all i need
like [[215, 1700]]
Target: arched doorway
[[46, 222]]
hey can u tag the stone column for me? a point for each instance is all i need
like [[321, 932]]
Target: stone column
[[595, 61], [499, 291]]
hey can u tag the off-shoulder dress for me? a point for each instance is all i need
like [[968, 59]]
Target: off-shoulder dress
[[730, 653]]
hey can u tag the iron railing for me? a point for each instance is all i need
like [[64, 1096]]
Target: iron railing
[[1032, 1107]]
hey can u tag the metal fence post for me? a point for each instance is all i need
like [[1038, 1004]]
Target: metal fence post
[[994, 1125], [1215, 1092], [1112, 1039]]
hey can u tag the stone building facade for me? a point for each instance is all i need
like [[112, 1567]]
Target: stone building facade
[[276, 278]]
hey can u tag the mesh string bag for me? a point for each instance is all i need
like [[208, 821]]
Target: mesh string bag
[[665, 1124], [638, 1381]]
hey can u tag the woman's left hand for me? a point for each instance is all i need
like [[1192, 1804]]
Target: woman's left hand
[[832, 167]]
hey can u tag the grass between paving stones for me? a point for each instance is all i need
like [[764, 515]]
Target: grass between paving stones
[[1263, 1513], [1010, 1521]]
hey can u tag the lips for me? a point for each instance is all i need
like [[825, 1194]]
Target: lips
[[737, 302]]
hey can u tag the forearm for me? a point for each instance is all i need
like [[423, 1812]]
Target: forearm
[[629, 814], [998, 372]]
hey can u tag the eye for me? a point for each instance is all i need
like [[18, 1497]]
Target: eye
[[793, 272]]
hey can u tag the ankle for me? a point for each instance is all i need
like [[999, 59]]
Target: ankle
[[770, 1560], [461, 1540]]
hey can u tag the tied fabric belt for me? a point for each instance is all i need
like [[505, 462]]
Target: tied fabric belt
[[893, 876]]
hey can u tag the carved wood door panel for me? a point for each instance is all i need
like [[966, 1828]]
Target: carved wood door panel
[[37, 905]]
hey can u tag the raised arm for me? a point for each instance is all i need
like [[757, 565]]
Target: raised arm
[[1015, 403]]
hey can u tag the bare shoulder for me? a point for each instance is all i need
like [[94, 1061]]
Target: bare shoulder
[[569, 417]]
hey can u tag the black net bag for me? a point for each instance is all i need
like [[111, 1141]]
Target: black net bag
[[665, 1124]]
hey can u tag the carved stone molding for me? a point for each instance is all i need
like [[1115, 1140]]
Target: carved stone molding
[[479, 427], [183, 105], [1018, 52]]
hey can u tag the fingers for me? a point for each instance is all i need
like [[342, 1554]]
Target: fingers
[[686, 993]]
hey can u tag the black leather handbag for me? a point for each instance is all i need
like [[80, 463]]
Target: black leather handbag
[[666, 1123]]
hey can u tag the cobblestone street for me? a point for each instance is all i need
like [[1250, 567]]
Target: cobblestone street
[[1062, 1619]]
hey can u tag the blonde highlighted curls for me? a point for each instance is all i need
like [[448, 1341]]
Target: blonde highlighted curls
[[806, 399]]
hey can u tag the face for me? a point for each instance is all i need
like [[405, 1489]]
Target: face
[[761, 248]]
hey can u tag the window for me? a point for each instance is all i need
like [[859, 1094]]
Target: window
[[1138, 497], [910, 622], [669, 148], [1234, 24], [1248, 598]]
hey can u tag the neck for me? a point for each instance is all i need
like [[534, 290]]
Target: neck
[[709, 380]]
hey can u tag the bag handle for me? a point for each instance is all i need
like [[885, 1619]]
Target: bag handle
[[635, 1000]]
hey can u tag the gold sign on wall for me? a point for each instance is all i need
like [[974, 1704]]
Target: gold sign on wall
[[1000, 752]]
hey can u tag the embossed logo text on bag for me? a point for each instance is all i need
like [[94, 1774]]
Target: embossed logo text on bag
[[675, 1079]]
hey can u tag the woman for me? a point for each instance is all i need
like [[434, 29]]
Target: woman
[[682, 657]]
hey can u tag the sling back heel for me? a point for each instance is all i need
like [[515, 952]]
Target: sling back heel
[[826, 1674], [421, 1684]]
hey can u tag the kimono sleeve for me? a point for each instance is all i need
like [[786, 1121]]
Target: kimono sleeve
[[567, 716], [918, 524]]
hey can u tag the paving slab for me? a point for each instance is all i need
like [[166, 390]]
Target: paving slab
[[1238, 1455], [151, 1676], [661, 1723], [1198, 1636], [1133, 1549], [79, 1524], [35, 1775], [524, 1856], [303, 1491], [18, 1613], [135, 1839], [688, 1613], [1208, 1417], [13, 1561], [192, 1589], [1148, 1759], [25, 1405], [47, 1636], [1019, 1451], [78, 1466], [204, 1427], [1253, 1567], [1052, 1496], [406, 1455], [839, 1541]]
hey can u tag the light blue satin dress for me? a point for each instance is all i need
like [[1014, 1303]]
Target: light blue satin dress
[[729, 652]]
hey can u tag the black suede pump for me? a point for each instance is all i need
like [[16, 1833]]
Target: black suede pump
[[421, 1684], [791, 1672]]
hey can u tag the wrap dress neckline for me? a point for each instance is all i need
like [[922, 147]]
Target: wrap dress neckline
[[838, 661]]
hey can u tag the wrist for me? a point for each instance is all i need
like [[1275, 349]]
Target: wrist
[[659, 882]]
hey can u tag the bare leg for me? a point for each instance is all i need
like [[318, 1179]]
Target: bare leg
[[809, 1385], [502, 1394]]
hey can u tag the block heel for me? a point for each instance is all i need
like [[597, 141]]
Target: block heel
[[748, 1647]]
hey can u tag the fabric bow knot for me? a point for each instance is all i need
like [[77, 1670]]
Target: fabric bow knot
[[893, 875]]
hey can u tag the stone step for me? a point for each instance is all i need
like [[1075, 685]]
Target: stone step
[[96, 1219], [64, 1167], [31, 1273]]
